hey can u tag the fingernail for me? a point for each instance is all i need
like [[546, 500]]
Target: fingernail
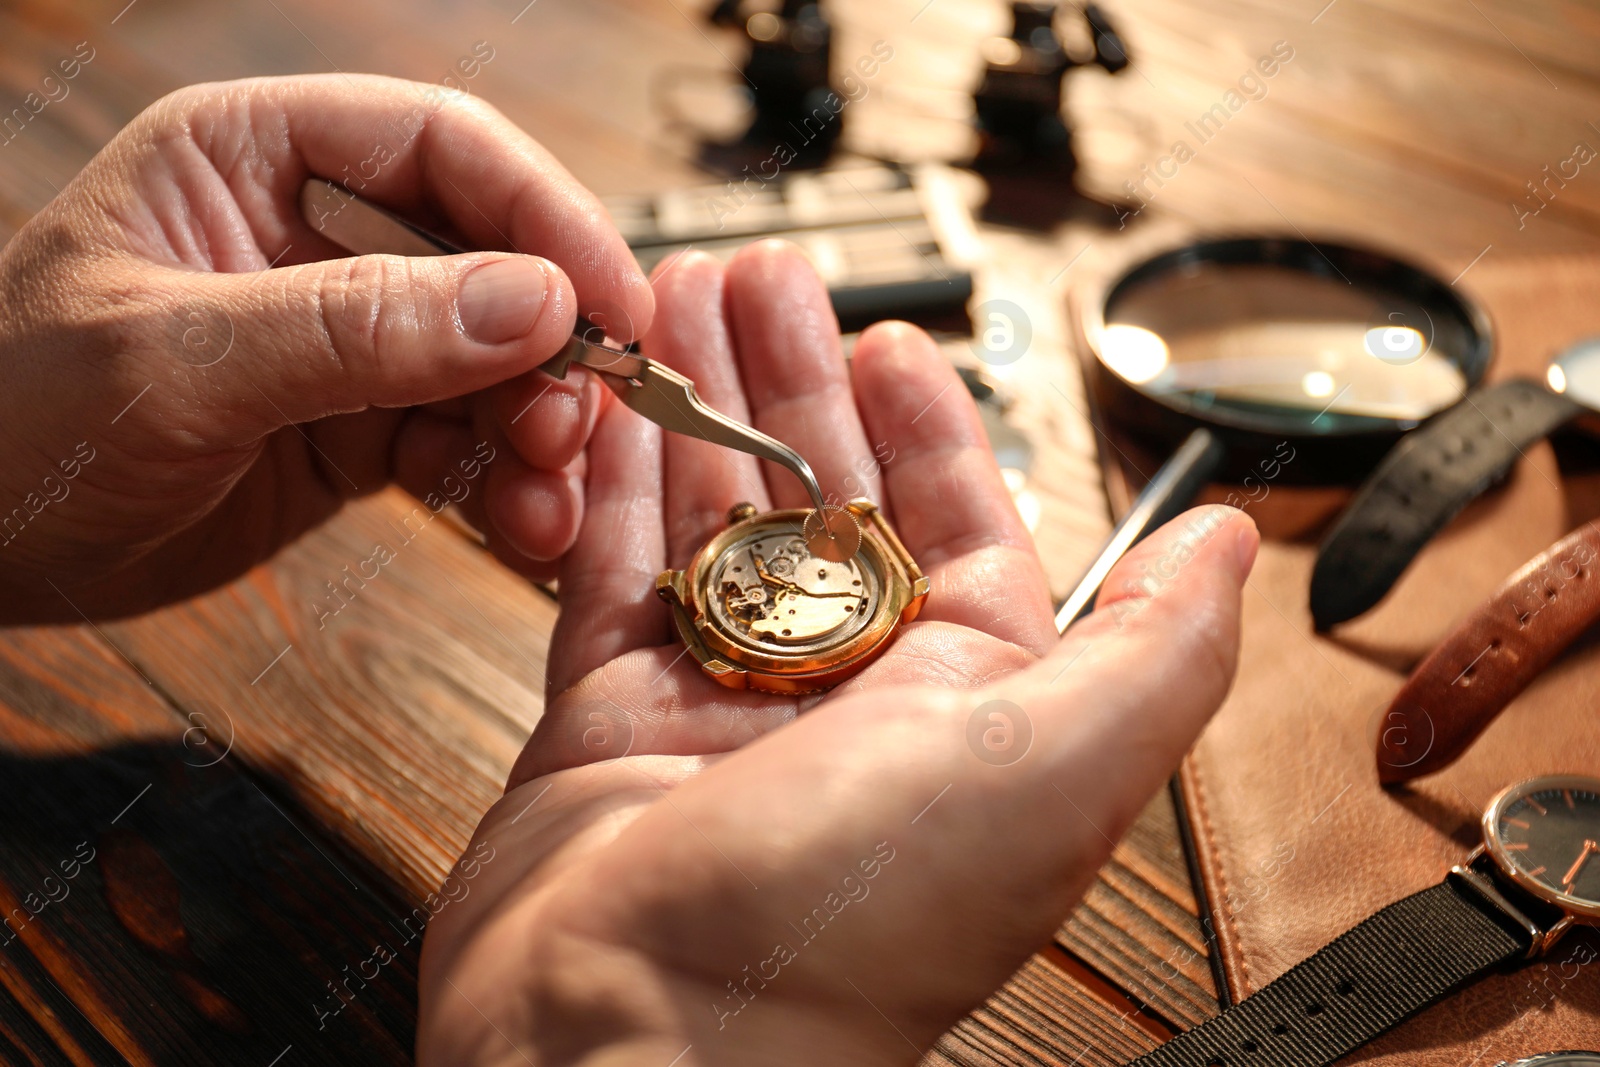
[[589, 401], [500, 301], [1246, 542]]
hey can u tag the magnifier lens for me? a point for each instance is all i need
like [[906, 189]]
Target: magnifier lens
[[1577, 373], [1283, 347]]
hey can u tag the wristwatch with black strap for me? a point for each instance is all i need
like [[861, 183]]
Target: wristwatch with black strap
[[1536, 874]]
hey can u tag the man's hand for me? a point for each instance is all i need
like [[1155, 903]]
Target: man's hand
[[686, 874], [194, 376]]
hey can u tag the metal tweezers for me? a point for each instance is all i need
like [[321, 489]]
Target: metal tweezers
[[653, 389]]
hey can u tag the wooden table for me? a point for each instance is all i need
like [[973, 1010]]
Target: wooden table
[[265, 803]]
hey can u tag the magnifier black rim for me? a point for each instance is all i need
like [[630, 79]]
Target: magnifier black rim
[[1365, 267]]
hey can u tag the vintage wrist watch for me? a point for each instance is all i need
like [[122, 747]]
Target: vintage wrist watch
[[1536, 874], [760, 610], [1557, 1059], [1490, 657]]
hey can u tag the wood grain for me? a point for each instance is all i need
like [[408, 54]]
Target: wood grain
[[160, 906], [394, 721], [383, 735]]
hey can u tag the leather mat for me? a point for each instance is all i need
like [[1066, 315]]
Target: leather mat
[[1295, 839]]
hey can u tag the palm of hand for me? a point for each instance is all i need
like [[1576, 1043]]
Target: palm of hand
[[688, 870]]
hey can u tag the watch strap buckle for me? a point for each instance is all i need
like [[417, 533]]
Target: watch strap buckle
[[1539, 939]]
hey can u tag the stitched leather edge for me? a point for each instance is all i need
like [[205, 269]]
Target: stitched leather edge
[[1210, 861]]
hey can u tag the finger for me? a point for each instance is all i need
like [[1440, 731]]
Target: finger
[[545, 419], [343, 335], [457, 407], [430, 153], [1161, 563], [1170, 604], [690, 334], [1130, 686], [538, 513], [952, 508], [442, 462], [794, 372], [427, 448], [612, 567], [537, 571], [354, 451], [532, 513]]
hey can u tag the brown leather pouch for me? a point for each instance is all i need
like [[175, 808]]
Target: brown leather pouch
[[1294, 838]]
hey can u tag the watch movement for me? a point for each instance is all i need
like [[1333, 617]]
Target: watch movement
[[762, 606]]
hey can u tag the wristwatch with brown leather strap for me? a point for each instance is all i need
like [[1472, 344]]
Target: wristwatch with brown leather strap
[[1492, 656]]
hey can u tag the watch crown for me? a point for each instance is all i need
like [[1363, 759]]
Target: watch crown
[[740, 512]]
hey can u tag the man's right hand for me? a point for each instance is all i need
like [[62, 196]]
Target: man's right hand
[[194, 376]]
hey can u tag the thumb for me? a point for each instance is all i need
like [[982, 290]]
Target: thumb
[[1131, 685], [299, 343]]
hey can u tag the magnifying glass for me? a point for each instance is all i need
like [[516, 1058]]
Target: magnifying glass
[[1271, 358]]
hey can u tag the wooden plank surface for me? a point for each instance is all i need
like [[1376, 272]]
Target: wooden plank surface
[[159, 906], [369, 747]]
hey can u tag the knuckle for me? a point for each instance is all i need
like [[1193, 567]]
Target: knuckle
[[126, 321], [127, 329], [175, 107], [362, 318]]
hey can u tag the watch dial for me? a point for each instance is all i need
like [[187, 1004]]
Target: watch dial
[[1550, 834]]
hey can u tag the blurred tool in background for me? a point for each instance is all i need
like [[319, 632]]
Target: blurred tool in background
[[1018, 106], [788, 75]]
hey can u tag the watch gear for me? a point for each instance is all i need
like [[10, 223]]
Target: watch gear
[[760, 609]]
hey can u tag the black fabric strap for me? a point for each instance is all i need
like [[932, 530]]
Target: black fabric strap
[[1356, 987], [1420, 485]]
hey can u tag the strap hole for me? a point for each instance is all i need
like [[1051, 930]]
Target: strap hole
[[1249, 1046], [1313, 1009], [1347, 987], [1216, 1061], [1280, 1029]]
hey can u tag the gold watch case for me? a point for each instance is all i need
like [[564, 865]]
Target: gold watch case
[[758, 611]]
